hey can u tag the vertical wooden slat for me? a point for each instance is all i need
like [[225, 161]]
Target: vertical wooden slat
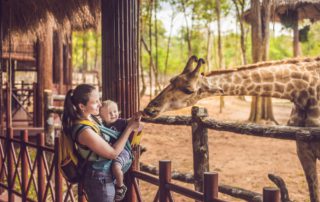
[[40, 166], [35, 104], [58, 176], [121, 56], [164, 178], [1, 90], [210, 186], [24, 164]]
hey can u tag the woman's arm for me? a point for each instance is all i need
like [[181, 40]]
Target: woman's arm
[[99, 146]]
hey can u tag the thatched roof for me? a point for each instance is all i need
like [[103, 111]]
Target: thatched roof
[[306, 9], [29, 15]]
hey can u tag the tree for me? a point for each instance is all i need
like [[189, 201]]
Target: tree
[[239, 7], [261, 108]]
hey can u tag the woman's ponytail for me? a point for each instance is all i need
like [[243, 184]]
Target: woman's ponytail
[[69, 113], [72, 112]]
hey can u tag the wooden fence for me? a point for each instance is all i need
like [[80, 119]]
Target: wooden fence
[[29, 169]]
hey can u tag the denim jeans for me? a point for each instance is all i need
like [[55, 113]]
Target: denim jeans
[[99, 186]]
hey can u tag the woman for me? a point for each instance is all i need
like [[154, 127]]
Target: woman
[[80, 104]]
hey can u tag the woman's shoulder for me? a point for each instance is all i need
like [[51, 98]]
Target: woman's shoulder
[[83, 126]]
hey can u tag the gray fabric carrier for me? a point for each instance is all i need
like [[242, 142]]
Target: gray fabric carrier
[[95, 161]]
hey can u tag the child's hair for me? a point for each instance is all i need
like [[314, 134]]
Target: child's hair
[[72, 111], [107, 103]]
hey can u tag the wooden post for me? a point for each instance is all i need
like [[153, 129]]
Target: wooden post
[[44, 68], [41, 169], [57, 176], [132, 195], [58, 59], [164, 178], [24, 164], [199, 146], [210, 186], [271, 194], [49, 118]]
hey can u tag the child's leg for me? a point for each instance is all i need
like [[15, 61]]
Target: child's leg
[[117, 172]]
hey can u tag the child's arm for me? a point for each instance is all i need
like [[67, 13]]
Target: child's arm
[[96, 143]]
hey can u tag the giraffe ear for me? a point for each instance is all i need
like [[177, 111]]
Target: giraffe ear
[[188, 67]]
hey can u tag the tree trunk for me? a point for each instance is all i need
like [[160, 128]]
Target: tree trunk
[[220, 55], [96, 48], [208, 49], [261, 108], [255, 112], [240, 12], [141, 30], [143, 82], [85, 56], [296, 44], [156, 72], [188, 29], [150, 47], [169, 44]]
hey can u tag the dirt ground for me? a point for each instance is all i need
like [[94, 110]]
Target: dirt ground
[[241, 160]]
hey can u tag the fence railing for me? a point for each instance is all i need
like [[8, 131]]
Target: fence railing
[[29, 169]]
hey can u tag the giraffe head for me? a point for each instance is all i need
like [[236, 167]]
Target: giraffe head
[[184, 90]]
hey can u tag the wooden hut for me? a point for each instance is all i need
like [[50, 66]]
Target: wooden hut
[[289, 13], [51, 22], [45, 49]]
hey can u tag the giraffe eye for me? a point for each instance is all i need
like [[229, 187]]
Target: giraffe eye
[[187, 91]]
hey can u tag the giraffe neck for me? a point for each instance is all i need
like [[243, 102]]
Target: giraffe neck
[[286, 81]]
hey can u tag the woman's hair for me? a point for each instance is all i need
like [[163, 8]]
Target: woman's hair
[[72, 111]]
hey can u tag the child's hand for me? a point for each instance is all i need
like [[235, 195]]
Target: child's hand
[[134, 124], [137, 116]]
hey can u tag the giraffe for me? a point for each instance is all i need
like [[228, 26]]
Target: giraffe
[[297, 80]]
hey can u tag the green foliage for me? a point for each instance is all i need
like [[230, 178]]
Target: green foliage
[[203, 13], [312, 46], [86, 43], [280, 47]]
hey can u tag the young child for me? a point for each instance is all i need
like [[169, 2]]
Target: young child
[[110, 117]]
